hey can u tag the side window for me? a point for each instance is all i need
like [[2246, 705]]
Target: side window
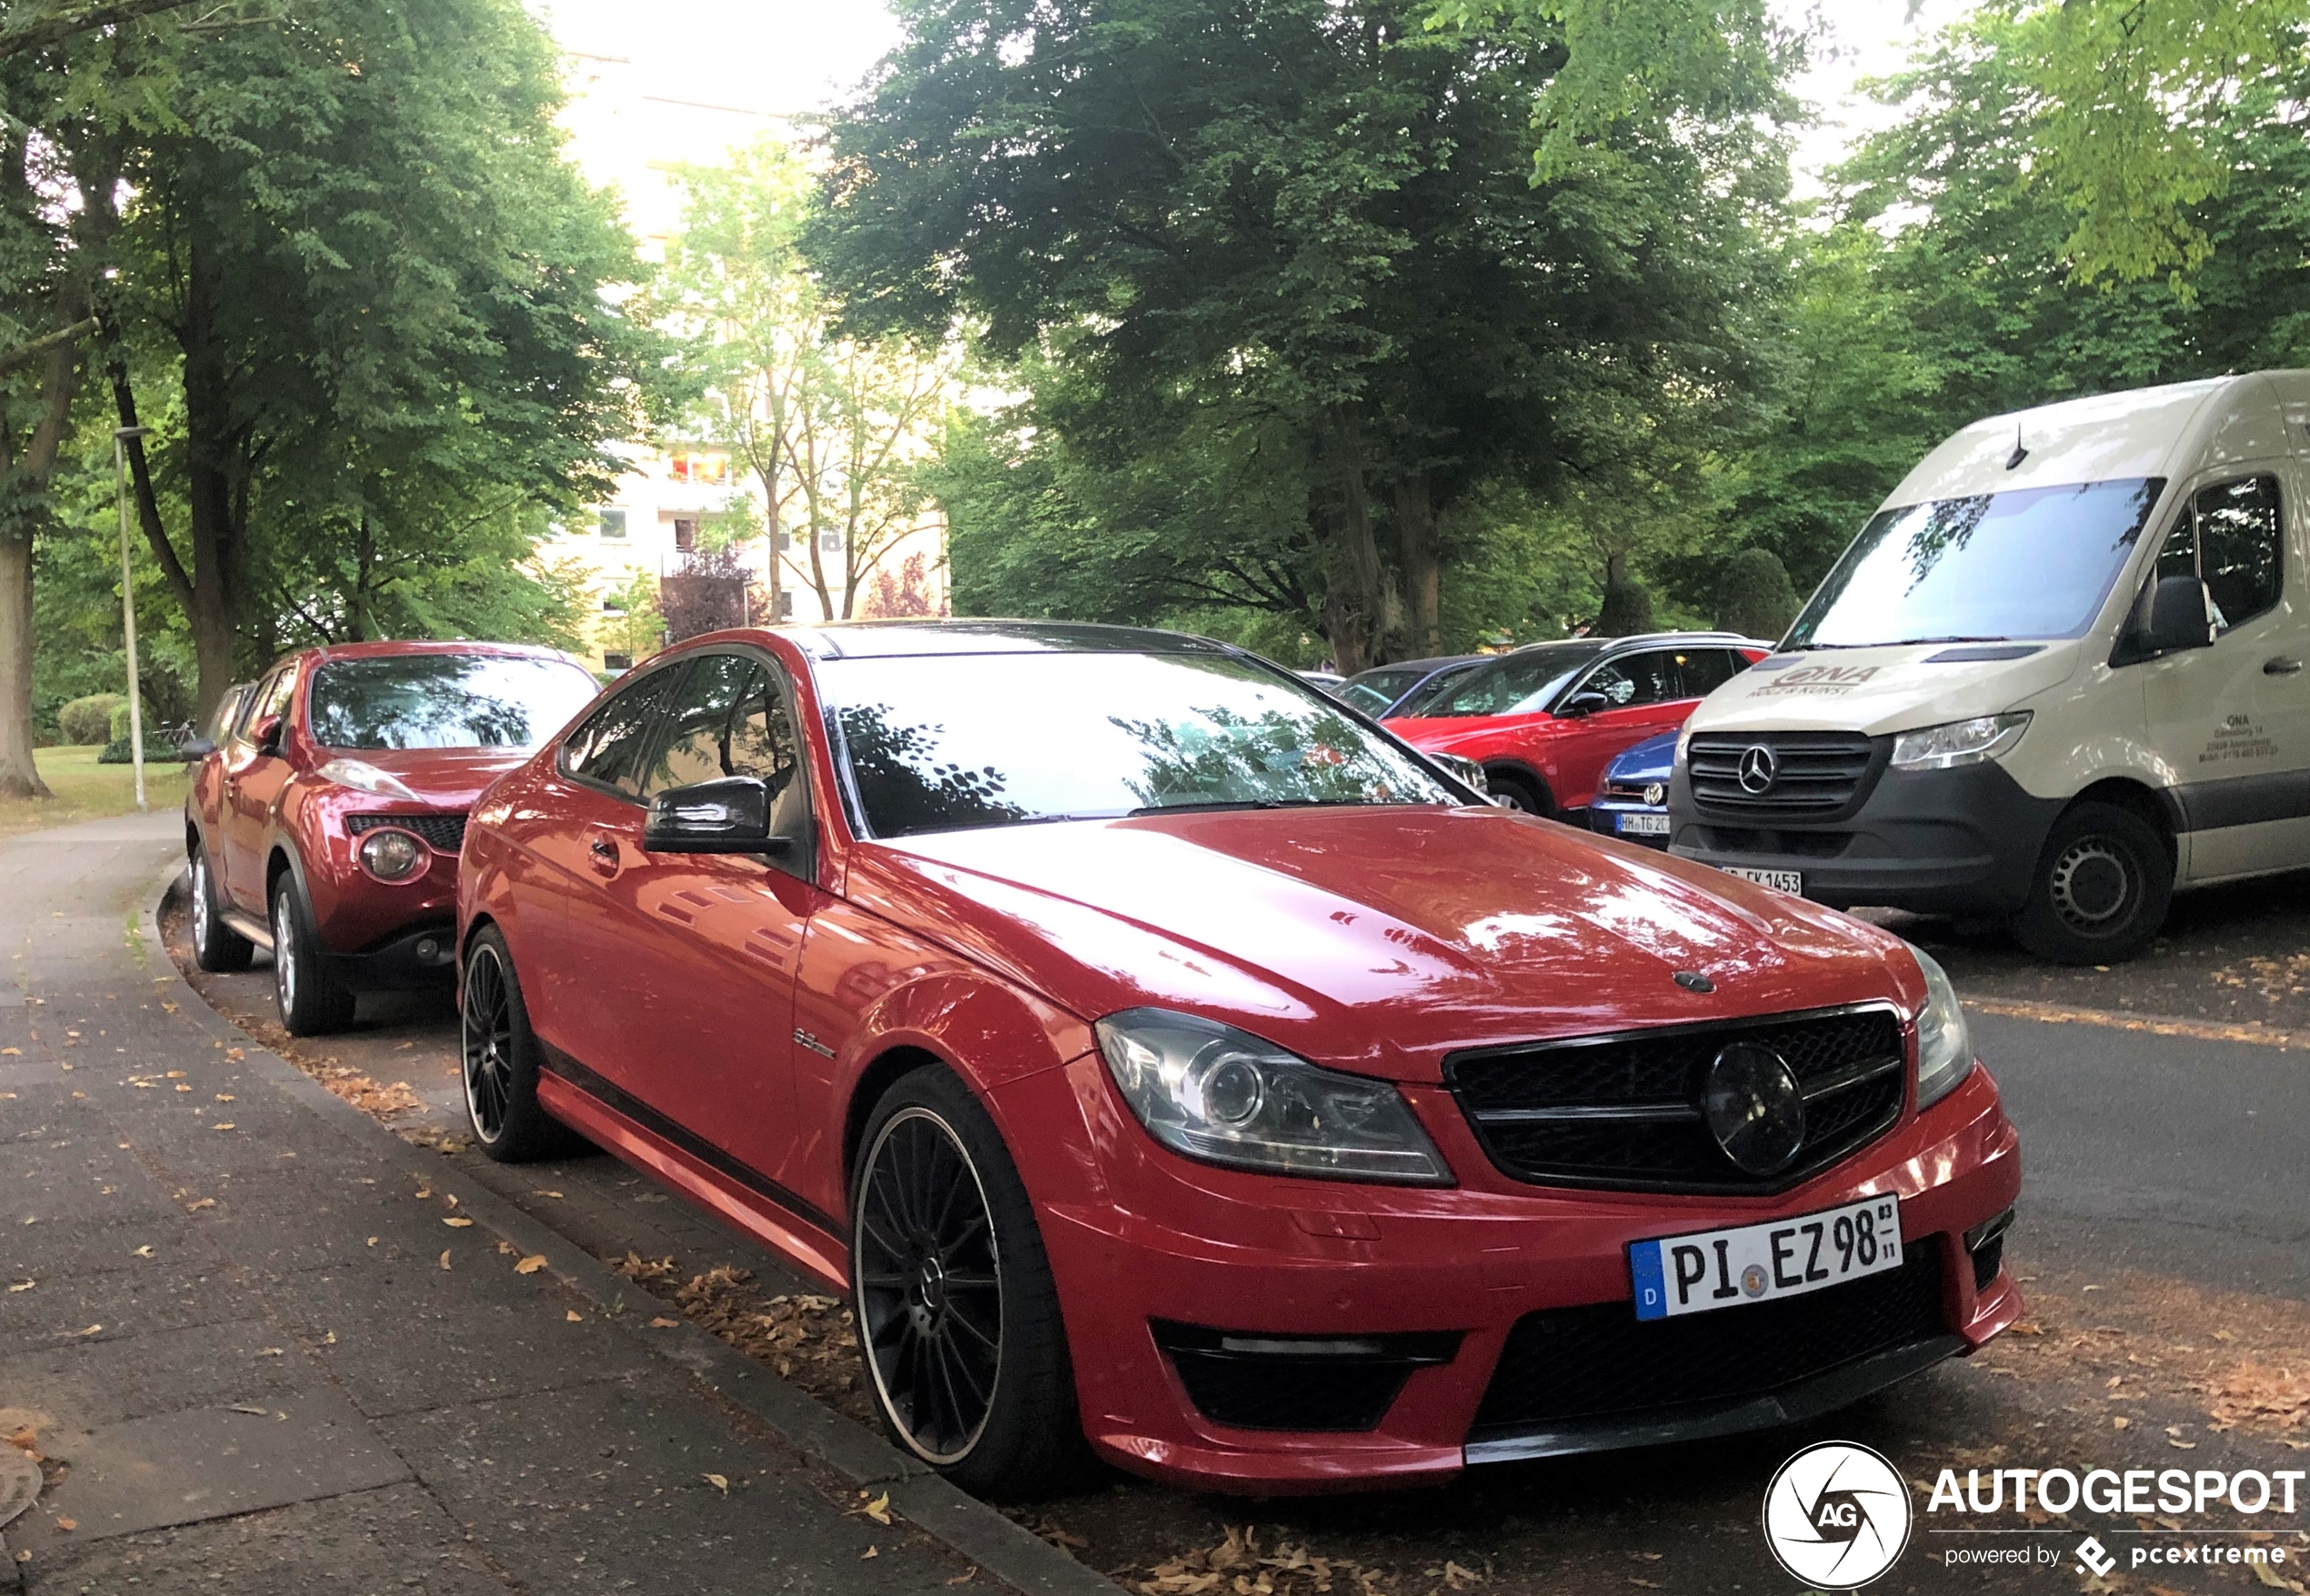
[[763, 743], [1634, 680], [1707, 669], [609, 746], [271, 698], [729, 719], [2231, 537]]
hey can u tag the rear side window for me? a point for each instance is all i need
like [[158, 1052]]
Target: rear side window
[[1637, 679], [2231, 537], [1375, 691], [1707, 669], [609, 748]]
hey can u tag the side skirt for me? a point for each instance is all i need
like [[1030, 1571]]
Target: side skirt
[[731, 1195]]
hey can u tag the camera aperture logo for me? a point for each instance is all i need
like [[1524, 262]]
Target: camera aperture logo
[[1837, 1515]]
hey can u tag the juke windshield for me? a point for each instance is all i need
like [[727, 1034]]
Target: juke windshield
[[952, 742], [2031, 562], [445, 700]]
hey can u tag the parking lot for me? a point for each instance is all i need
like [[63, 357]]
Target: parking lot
[[2160, 1245]]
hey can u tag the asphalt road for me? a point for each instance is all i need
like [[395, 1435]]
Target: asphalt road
[[2161, 1246]]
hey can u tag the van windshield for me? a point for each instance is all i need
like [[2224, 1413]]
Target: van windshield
[[2032, 562]]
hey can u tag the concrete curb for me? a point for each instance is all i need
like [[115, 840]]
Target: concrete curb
[[972, 1529]]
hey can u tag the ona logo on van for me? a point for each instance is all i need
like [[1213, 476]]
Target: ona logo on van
[[1817, 681]]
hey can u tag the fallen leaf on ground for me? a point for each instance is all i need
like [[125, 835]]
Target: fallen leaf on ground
[[270, 1352], [2120, 1422], [879, 1510], [662, 1323], [457, 1222], [870, 1551], [530, 1265], [2255, 1393], [182, 1086], [67, 1523], [964, 1578], [574, 1317], [91, 1331], [719, 1483], [234, 1055], [23, 1285], [194, 1208], [143, 1252], [445, 1258], [225, 1097], [2261, 1571], [222, 1125]]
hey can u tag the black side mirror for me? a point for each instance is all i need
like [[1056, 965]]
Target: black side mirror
[[269, 736], [2180, 616], [198, 748], [730, 814], [1581, 704]]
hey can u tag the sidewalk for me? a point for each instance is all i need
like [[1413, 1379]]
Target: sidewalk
[[267, 1347]]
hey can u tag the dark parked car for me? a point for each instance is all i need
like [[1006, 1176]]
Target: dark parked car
[[1400, 688]]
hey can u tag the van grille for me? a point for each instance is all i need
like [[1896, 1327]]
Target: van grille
[[1816, 775]]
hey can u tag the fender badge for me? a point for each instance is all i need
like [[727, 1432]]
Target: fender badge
[[1693, 981]]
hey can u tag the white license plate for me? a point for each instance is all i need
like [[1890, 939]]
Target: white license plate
[[1635, 825], [1756, 1263], [1779, 880]]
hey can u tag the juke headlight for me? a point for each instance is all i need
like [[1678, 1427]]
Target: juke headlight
[[1945, 1049], [1212, 1092], [392, 856]]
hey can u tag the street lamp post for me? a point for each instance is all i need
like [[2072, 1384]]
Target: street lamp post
[[128, 607]]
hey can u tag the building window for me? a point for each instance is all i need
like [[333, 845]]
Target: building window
[[685, 533], [617, 662], [786, 603], [785, 541], [710, 466], [613, 523], [612, 604], [831, 542]]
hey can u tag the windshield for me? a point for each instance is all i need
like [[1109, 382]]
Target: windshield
[[1374, 690], [955, 741], [1522, 683], [2034, 562], [446, 701]]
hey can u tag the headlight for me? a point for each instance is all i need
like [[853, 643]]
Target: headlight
[[392, 856], [1944, 1050], [1958, 742], [1468, 773], [1215, 1093], [363, 776]]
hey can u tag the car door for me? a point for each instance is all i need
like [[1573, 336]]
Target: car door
[[719, 936], [2231, 720], [585, 829], [1642, 692], [252, 779]]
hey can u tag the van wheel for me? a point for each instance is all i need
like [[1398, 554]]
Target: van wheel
[[216, 946], [1514, 790], [311, 999], [2101, 890]]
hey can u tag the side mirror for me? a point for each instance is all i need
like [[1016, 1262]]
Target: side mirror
[[266, 734], [2180, 616], [1581, 704], [198, 748], [731, 815]]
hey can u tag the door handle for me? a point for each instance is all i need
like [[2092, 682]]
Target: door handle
[[2281, 667], [605, 854]]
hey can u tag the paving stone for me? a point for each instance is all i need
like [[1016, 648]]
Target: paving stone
[[88, 1384]]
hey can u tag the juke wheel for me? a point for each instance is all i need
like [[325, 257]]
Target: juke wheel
[[500, 1060], [2101, 889], [957, 1316], [216, 946], [312, 1001]]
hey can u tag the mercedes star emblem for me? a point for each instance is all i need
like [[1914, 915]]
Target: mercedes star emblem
[[1753, 1107], [1759, 766]]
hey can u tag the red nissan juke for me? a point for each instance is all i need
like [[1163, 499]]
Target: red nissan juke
[[1159, 1056], [324, 820]]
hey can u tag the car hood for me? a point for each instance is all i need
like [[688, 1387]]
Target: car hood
[[1374, 940], [1653, 759], [446, 779], [1884, 690], [1449, 734]]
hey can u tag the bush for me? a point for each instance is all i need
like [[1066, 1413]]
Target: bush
[[1627, 610], [117, 729], [1757, 598], [89, 719]]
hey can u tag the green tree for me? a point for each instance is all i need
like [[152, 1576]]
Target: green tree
[[1313, 224]]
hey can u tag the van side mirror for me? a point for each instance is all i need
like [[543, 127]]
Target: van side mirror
[[2180, 616], [1581, 704], [730, 814]]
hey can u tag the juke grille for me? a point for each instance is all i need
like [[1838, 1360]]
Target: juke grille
[[442, 833]]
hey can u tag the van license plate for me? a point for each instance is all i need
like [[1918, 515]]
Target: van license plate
[[1779, 880], [1639, 825], [1756, 1263]]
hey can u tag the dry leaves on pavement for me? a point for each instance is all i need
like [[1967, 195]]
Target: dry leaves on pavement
[[2254, 1393], [1237, 1566]]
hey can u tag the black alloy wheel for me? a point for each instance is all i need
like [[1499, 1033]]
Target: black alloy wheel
[[499, 1057], [2101, 889], [958, 1316]]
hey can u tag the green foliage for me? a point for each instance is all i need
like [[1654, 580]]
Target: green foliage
[[89, 719], [1756, 596]]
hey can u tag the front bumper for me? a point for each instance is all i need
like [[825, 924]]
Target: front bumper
[[420, 956], [1140, 1242], [1959, 842]]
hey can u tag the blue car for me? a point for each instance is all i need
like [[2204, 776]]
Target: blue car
[[1632, 801]]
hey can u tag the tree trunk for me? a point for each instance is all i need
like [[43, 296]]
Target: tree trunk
[[24, 466], [1421, 560], [1357, 601], [216, 486]]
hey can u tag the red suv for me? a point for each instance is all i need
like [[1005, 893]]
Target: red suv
[[1544, 720], [324, 820], [1183, 1064]]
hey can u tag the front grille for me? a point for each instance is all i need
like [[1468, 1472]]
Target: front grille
[[1816, 775], [1624, 1110], [442, 833], [1249, 1381], [1587, 1362]]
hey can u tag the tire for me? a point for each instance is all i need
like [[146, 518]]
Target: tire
[[960, 1287], [312, 1001], [499, 1061], [1515, 790], [2101, 887], [216, 946]]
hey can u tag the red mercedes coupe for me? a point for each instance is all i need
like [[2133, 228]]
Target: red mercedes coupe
[[1544, 720], [323, 820], [1161, 1058]]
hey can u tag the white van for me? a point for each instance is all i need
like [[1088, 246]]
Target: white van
[[2058, 674]]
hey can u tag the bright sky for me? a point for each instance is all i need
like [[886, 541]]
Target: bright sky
[[788, 56]]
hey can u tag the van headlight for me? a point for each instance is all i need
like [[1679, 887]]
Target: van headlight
[[1223, 1096], [1945, 1049], [1958, 742]]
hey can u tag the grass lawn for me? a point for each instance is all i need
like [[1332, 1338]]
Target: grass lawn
[[87, 790]]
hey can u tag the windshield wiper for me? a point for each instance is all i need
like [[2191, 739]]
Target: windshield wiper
[[1921, 642], [1269, 803]]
